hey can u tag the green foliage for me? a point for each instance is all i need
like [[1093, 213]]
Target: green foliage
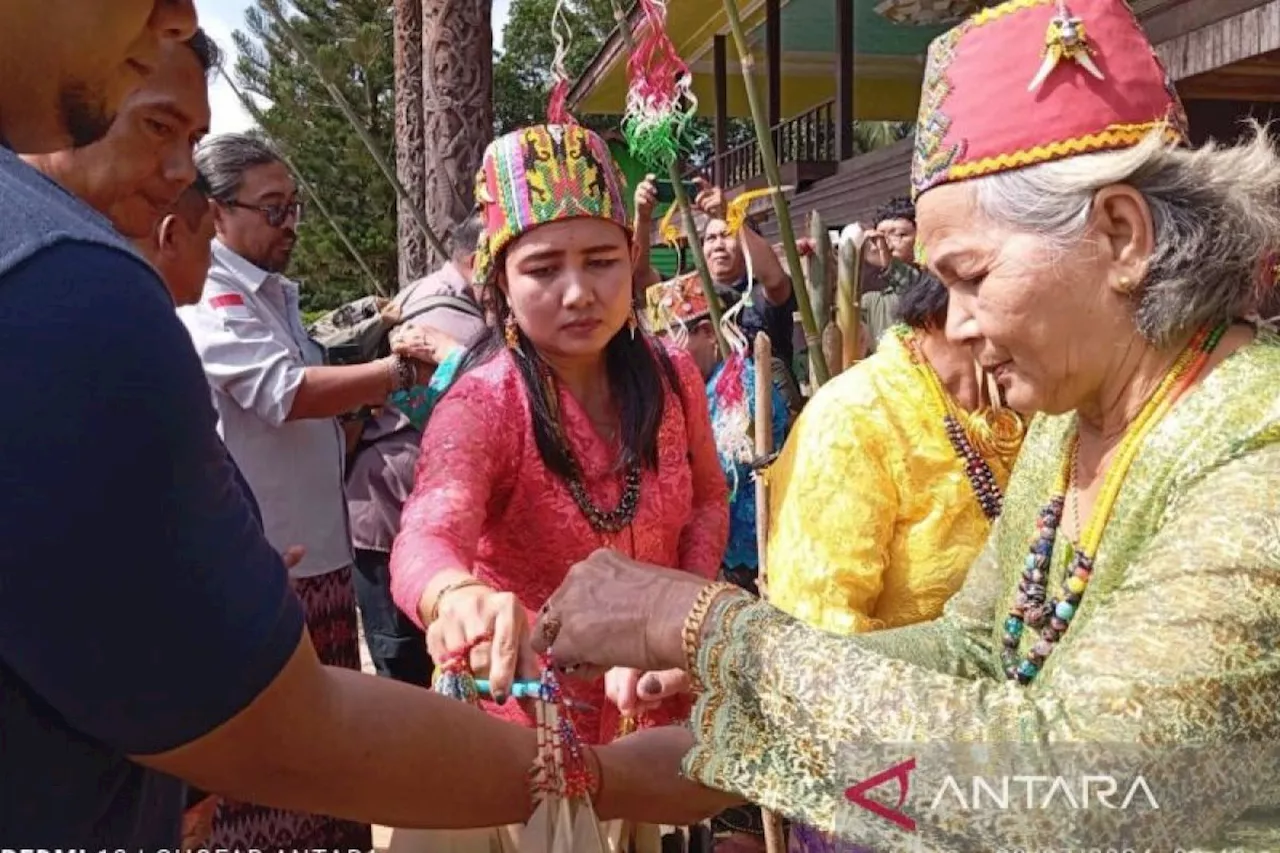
[[352, 43], [522, 73], [522, 70], [870, 135]]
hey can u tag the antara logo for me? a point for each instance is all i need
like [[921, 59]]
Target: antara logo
[[902, 773], [1052, 793]]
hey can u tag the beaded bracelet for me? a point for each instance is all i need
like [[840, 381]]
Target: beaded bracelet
[[461, 583], [454, 678], [691, 633]]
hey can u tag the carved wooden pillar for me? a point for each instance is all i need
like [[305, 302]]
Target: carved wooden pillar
[[410, 157], [457, 98]]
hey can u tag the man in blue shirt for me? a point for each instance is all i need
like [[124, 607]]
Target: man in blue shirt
[[147, 630]]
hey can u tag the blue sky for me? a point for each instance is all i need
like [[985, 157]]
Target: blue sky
[[222, 17]]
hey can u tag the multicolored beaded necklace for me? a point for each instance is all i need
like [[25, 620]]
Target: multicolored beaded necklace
[[1052, 618], [981, 477], [601, 520]]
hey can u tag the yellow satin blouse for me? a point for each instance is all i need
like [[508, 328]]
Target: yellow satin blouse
[[873, 521]]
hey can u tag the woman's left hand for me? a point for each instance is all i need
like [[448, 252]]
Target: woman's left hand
[[612, 611], [636, 692]]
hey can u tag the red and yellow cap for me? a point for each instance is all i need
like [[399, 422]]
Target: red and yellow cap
[[1032, 81]]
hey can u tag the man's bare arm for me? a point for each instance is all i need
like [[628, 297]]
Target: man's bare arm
[[428, 762]]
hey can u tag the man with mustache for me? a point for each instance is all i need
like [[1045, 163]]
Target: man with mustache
[[278, 405], [136, 172], [69, 284], [141, 177]]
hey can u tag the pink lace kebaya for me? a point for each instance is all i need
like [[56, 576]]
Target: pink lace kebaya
[[485, 502]]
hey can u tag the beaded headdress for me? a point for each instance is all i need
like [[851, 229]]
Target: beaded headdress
[[676, 304], [1031, 81], [543, 174]]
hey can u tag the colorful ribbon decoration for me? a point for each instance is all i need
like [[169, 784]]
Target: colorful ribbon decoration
[[668, 230], [660, 99], [735, 216]]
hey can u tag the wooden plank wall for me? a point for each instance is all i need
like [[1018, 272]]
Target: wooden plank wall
[[1193, 36], [1167, 19], [1250, 33], [854, 193]]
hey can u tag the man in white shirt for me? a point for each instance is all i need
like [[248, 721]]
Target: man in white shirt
[[276, 400]]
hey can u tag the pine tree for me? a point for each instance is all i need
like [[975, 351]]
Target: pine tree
[[351, 41]]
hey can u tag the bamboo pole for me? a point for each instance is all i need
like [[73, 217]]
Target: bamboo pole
[[764, 138], [820, 271], [774, 841], [686, 210], [848, 315], [371, 145], [763, 359], [253, 110], [818, 280], [833, 347]]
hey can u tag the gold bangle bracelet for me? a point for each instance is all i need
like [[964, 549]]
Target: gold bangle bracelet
[[691, 633], [461, 583]]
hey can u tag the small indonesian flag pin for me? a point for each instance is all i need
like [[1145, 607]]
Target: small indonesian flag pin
[[1065, 39]]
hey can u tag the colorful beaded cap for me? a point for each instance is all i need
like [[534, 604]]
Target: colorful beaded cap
[[675, 303], [543, 174], [1031, 81]]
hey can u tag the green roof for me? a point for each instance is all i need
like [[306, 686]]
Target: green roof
[[809, 26]]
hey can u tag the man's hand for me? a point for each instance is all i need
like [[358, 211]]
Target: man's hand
[[877, 252], [390, 313], [423, 343], [710, 199], [646, 198]]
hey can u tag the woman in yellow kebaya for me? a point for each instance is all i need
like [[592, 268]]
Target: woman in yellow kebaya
[[887, 487]]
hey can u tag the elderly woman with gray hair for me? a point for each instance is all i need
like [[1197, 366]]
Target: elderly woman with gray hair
[[1109, 673]]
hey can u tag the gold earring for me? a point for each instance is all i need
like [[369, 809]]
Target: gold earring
[[511, 332], [1126, 284]]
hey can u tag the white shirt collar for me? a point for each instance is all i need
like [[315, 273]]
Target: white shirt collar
[[247, 271]]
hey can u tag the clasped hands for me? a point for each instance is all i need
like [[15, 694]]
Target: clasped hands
[[612, 615]]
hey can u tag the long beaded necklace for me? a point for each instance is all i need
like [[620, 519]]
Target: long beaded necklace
[[982, 479], [601, 520], [1053, 617]]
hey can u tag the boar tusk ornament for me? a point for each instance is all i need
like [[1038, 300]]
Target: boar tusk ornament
[[1065, 39]]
